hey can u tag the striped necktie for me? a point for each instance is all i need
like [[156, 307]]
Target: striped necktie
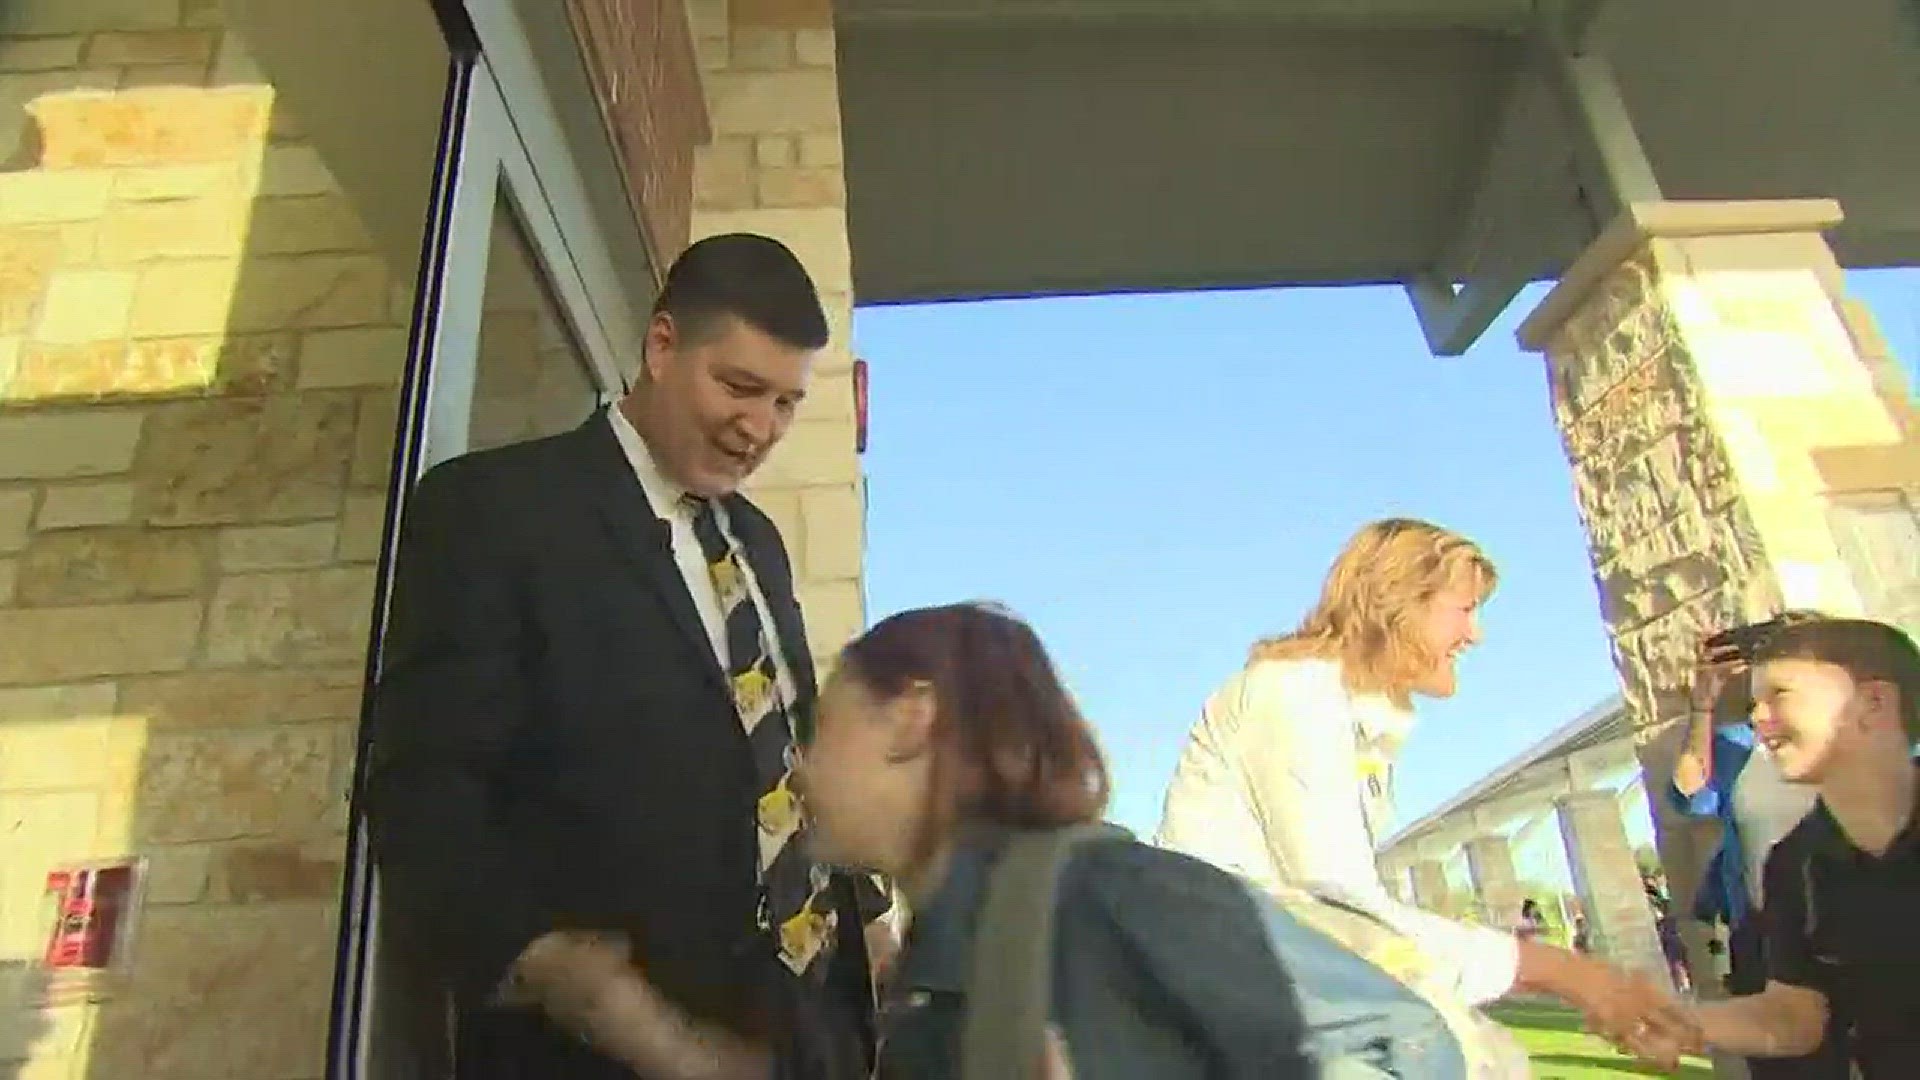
[[792, 889]]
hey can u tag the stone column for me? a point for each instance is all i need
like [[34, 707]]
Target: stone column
[[1608, 881], [1429, 879], [1394, 876], [1738, 445], [774, 167], [1497, 887]]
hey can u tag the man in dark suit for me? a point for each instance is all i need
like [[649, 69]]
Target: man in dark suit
[[582, 731]]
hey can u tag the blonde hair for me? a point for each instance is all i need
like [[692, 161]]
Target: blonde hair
[[1366, 615]]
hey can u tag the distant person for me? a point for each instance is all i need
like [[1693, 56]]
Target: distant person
[[1287, 778], [1723, 773], [1837, 703], [1582, 936], [1532, 922]]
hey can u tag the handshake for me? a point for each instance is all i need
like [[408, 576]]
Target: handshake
[[1642, 1020]]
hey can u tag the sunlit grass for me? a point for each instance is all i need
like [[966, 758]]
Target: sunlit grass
[[1562, 1050]]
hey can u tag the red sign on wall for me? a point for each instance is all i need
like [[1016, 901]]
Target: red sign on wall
[[859, 406]]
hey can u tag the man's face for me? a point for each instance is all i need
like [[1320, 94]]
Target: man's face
[[719, 402], [1808, 714]]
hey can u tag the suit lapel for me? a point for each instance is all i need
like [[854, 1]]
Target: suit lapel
[[641, 535]]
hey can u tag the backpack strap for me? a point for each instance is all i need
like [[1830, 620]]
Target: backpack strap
[[1010, 975]]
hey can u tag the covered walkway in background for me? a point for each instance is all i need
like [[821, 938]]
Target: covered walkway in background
[[1580, 788]]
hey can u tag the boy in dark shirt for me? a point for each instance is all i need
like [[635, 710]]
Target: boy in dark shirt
[[1837, 702]]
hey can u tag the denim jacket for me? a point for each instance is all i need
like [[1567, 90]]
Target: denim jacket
[[1162, 970]]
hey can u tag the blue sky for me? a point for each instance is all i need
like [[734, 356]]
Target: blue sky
[[1154, 481]]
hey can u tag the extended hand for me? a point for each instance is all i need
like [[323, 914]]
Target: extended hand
[[1713, 668], [1664, 1035], [1620, 1006]]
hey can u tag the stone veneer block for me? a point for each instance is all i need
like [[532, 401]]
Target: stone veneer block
[[835, 518], [246, 460], [16, 517], [28, 255], [298, 617], [37, 703], [236, 783], [784, 14], [47, 645], [40, 198], [363, 522], [64, 752], [254, 873], [814, 452], [157, 126], [278, 547], [203, 974], [40, 53], [835, 612], [114, 564], [222, 698], [357, 357], [61, 445], [84, 305]]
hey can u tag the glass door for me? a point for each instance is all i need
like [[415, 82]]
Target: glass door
[[509, 346]]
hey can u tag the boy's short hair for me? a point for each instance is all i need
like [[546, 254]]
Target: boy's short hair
[[1869, 651]]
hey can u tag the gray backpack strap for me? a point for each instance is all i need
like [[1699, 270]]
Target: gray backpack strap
[[1010, 977]]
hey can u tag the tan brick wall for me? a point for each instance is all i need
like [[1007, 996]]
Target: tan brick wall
[[199, 354], [774, 167]]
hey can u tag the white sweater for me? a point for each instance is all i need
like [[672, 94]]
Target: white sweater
[[1286, 780]]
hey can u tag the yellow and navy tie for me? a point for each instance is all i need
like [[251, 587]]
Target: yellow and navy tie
[[793, 898]]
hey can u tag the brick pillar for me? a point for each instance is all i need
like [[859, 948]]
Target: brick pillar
[[1490, 863], [774, 167], [1430, 889], [1737, 445], [1608, 881]]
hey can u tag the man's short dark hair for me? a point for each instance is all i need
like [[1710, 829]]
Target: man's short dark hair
[[1869, 651], [753, 278]]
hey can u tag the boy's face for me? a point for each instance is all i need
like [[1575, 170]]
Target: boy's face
[[1810, 715]]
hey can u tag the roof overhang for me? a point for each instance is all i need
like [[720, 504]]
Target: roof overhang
[[1002, 148]]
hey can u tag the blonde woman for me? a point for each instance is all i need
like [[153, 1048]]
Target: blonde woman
[[1287, 779]]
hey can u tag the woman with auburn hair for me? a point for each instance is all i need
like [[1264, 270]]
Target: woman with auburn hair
[[943, 732], [1287, 779]]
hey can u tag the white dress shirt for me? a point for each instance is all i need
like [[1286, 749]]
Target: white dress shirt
[[1285, 782], [666, 497]]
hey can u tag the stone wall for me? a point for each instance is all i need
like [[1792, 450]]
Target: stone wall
[[774, 167], [198, 360]]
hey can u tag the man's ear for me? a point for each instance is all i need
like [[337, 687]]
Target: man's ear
[[910, 717], [658, 344]]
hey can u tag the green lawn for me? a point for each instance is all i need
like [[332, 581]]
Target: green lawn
[[1562, 1050]]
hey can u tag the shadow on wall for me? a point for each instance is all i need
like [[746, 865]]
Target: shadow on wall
[[200, 351], [21, 1029]]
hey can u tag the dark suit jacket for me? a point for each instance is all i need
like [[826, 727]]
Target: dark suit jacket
[[554, 746]]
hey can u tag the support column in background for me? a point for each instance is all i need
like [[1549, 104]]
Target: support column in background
[[1740, 443], [1495, 885], [1608, 882], [1429, 882]]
